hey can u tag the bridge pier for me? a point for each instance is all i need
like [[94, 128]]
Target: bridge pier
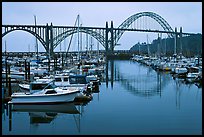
[[109, 44]]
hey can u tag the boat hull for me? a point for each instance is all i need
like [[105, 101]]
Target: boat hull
[[45, 98]]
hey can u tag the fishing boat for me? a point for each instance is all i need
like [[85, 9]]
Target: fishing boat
[[49, 94], [35, 86]]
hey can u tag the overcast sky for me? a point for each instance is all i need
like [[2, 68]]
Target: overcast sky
[[177, 14]]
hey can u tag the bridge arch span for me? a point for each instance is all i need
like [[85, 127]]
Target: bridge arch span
[[68, 33], [164, 24], [29, 31]]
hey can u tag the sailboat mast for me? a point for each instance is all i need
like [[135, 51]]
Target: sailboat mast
[[175, 41], [148, 46], [36, 38], [165, 45], [80, 39], [78, 36], [5, 47], [98, 49]]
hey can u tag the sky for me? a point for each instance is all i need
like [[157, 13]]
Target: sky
[[187, 15]]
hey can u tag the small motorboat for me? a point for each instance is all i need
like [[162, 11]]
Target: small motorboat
[[35, 86], [49, 94]]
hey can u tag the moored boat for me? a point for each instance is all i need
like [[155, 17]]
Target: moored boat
[[49, 94]]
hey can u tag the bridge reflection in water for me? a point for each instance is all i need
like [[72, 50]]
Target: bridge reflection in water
[[146, 82]]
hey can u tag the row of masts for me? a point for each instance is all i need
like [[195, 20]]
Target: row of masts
[[159, 43]]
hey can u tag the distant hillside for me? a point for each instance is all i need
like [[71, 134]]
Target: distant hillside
[[191, 46]]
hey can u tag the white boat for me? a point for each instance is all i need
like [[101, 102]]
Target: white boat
[[24, 87], [192, 75], [61, 80], [181, 71], [18, 75], [49, 94], [39, 71], [35, 86]]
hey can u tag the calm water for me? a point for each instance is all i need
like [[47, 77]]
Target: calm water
[[135, 100]]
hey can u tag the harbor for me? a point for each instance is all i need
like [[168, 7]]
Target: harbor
[[127, 103], [127, 69]]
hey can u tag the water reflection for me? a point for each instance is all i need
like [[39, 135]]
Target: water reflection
[[45, 113], [141, 80], [145, 82], [143, 100]]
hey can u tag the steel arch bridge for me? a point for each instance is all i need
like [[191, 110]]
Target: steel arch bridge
[[50, 36], [152, 15]]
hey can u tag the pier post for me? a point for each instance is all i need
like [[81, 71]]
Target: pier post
[[106, 73], [28, 71], [6, 67], [47, 38], [51, 41], [112, 72], [106, 38], [25, 65], [55, 62], [158, 47], [62, 60], [180, 40], [175, 41], [112, 39], [10, 116], [9, 81], [47, 45]]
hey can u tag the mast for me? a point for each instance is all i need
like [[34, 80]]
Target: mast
[[98, 49], [175, 41], [61, 53], [87, 46], [36, 39], [160, 44], [80, 39], [165, 46], [78, 36], [29, 48], [91, 46], [148, 46], [5, 47], [139, 48]]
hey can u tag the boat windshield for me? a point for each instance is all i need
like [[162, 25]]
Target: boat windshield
[[77, 80], [38, 86]]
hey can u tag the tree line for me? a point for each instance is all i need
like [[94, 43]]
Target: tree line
[[190, 46]]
